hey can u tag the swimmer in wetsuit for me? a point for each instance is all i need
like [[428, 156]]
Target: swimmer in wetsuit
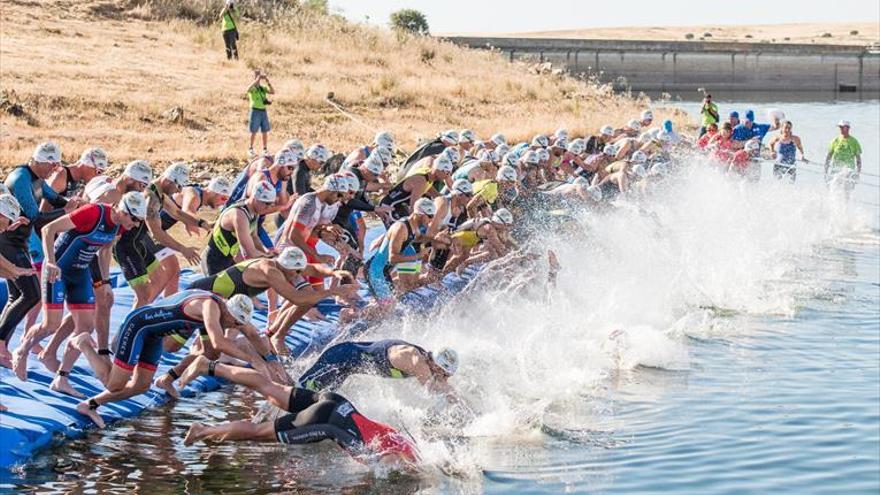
[[313, 417], [390, 358]]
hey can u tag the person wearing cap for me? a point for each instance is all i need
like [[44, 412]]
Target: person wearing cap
[[746, 162], [785, 147], [485, 166], [285, 275], [572, 194], [69, 180], [234, 236], [383, 140], [258, 120], [593, 166], [630, 129], [595, 143], [451, 212], [708, 114], [615, 177], [396, 247], [66, 276], [136, 250], [312, 417], [466, 139], [229, 18], [709, 133], [646, 118], [844, 157], [748, 130], [419, 181], [190, 199], [733, 119], [166, 325], [480, 240], [27, 184], [391, 358], [10, 218], [487, 192], [311, 213], [429, 149]]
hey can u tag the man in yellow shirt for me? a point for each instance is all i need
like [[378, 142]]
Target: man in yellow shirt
[[229, 26]]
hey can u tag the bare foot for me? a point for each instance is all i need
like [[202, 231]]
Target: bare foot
[[194, 434], [50, 361], [84, 409], [19, 365], [278, 345], [166, 383], [194, 370], [62, 385], [81, 340]]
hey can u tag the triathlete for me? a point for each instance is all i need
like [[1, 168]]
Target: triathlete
[[190, 199], [785, 146], [485, 232], [234, 236], [389, 358], [66, 275], [418, 182], [313, 417], [383, 139], [487, 192], [149, 330], [451, 212]]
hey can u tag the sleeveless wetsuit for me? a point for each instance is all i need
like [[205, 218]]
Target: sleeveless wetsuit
[[439, 257], [229, 282], [339, 362], [139, 341], [378, 269], [135, 251], [223, 245], [398, 198], [167, 220], [785, 164], [321, 416], [74, 252]]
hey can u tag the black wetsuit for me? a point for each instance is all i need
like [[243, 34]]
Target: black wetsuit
[[344, 219], [340, 361], [433, 147]]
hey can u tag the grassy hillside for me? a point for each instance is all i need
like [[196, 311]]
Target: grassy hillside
[[104, 73]]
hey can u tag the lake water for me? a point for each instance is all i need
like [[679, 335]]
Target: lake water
[[748, 361]]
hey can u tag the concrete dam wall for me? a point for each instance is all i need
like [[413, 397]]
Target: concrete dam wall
[[677, 67]]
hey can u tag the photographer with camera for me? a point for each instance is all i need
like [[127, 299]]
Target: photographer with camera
[[229, 25], [259, 119]]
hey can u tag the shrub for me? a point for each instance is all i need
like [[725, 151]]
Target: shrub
[[707, 35], [689, 36], [410, 21], [854, 32], [826, 35]]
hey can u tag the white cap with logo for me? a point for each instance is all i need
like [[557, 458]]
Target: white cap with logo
[[47, 152]]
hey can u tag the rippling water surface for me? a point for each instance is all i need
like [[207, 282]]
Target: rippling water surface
[[723, 339]]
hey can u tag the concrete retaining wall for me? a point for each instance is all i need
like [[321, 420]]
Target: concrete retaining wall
[[685, 66]]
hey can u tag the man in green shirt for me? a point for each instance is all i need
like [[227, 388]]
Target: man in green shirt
[[259, 119], [229, 25], [709, 113], [844, 157]]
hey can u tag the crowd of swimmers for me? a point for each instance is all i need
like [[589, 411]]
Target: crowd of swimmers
[[456, 201]]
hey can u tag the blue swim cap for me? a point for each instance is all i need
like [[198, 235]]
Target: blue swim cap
[[734, 114], [667, 125], [750, 115]]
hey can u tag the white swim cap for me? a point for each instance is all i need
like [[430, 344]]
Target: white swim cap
[[442, 163], [531, 158], [335, 183], [639, 157], [561, 133], [639, 170], [425, 206], [96, 188], [509, 159], [577, 147], [94, 157], [506, 174], [607, 130], [265, 192], [498, 139], [503, 216], [354, 184], [595, 193], [384, 139], [447, 360], [561, 142], [374, 164], [178, 173], [286, 158], [462, 186], [292, 258], [660, 169], [135, 204], [634, 125], [139, 170], [453, 154], [318, 152], [610, 150], [9, 207], [47, 152], [241, 307], [295, 145], [753, 145], [543, 155], [502, 149], [647, 115], [488, 156], [541, 140], [220, 185], [466, 136], [449, 137], [384, 155]]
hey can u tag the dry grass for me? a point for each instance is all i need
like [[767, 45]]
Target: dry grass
[[96, 73]]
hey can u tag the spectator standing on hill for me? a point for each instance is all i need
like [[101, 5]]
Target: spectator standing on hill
[[259, 119], [229, 25]]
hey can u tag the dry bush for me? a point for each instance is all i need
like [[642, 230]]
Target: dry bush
[[107, 80]]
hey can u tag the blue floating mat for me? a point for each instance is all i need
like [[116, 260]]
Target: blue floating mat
[[38, 417]]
